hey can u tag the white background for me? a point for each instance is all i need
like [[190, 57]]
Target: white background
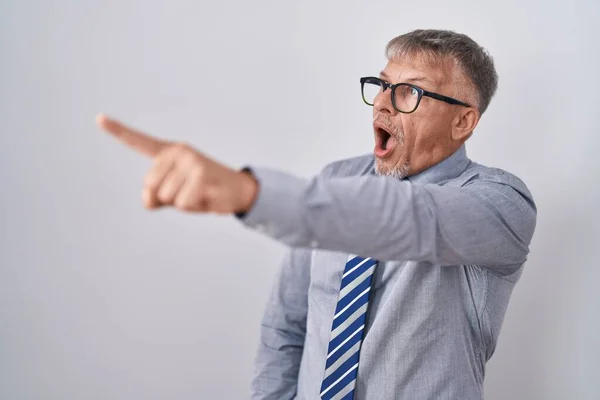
[[101, 299]]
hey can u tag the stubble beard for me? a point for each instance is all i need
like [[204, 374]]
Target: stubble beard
[[397, 171]]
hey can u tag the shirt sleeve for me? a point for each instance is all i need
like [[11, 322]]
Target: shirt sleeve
[[283, 329], [489, 221]]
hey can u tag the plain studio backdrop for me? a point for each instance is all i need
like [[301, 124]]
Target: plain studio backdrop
[[101, 299]]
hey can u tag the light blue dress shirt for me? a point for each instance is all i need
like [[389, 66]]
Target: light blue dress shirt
[[451, 241]]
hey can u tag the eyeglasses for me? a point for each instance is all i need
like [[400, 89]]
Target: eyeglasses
[[405, 97]]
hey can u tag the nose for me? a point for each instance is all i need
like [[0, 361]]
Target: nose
[[383, 102]]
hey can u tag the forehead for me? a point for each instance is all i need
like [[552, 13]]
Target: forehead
[[418, 71]]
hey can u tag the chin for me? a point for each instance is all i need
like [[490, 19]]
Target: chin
[[383, 168]]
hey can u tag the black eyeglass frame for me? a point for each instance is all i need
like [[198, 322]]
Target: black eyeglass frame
[[422, 92]]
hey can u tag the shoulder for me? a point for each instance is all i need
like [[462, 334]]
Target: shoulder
[[496, 181], [477, 173], [352, 166]]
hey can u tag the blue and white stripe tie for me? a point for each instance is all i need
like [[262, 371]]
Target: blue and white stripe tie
[[347, 330]]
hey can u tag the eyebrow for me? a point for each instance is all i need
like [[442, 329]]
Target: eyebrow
[[382, 74]]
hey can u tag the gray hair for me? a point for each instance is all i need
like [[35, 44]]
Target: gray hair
[[443, 46]]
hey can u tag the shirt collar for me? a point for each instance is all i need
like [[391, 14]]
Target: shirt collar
[[446, 169]]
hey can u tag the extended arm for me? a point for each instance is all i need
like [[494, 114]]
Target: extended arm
[[489, 221]]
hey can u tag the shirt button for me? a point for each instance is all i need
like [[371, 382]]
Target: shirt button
[[314, 244]]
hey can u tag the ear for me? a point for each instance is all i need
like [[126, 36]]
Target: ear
[[464, 123]]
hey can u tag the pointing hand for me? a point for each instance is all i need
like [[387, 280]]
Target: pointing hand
[[184, 178]]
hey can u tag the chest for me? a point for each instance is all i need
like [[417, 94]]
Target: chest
[[396, 284]]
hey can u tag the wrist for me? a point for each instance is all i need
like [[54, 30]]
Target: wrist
[[249, 191]]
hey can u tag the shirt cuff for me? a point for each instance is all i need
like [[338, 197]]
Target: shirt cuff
[[277, 208]]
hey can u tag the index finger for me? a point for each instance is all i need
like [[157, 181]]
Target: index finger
[[138, 141]]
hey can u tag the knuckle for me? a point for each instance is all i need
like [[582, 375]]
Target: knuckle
[[165, 152], [185, 155], [187, 159], [182, 204], [149, 181], [186, 203], [182, 147], [171, 150], [198, 172], [165, 194], [152, 180]]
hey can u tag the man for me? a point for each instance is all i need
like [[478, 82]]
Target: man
[[401, 263]]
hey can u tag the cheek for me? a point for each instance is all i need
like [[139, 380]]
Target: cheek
[[423, 129], [432, 135], [411, 128]]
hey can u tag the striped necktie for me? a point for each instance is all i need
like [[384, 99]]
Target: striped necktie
[[341, 367]]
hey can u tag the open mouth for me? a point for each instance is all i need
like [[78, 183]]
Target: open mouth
[[384, 141], [383, 137]]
